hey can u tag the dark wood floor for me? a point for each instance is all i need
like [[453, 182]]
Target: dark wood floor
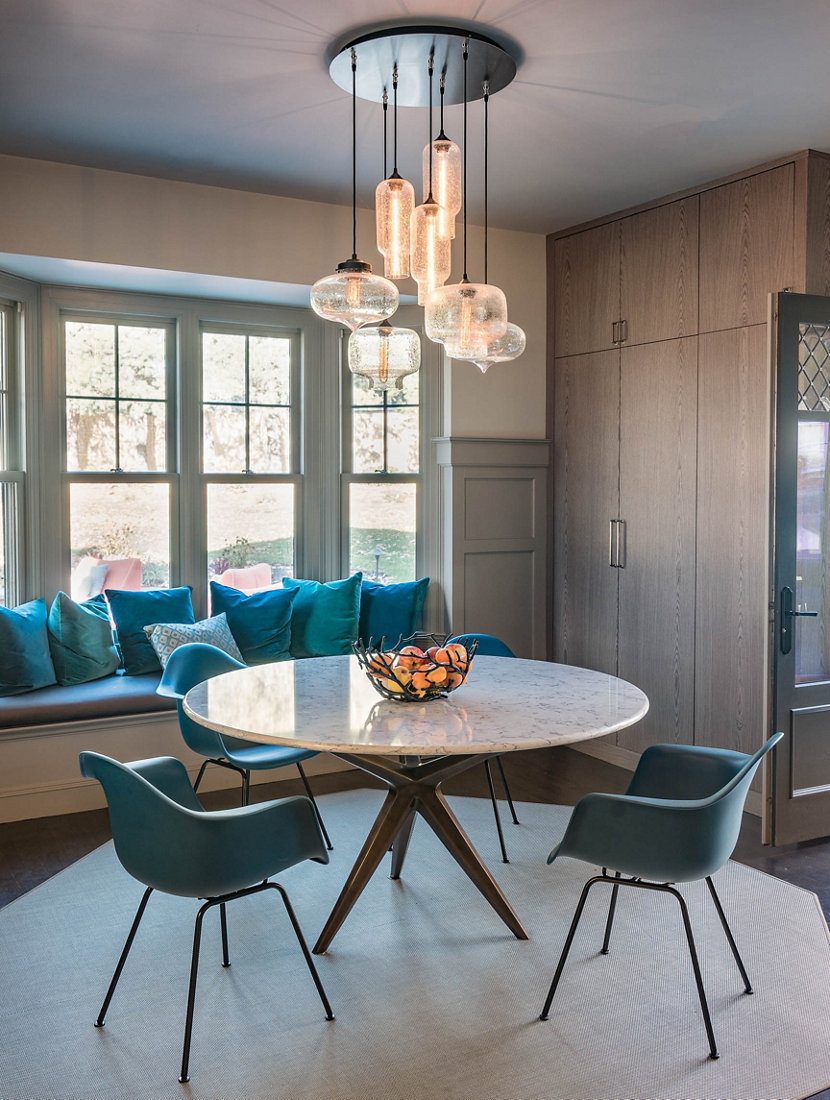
[[33, 851]]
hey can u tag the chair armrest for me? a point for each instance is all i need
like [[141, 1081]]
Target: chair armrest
[[651, 838], [169, 775]]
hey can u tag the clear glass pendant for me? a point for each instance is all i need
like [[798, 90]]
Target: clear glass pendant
[[446, 180], [502, 349], [384, 355], [354, 296], [431, 261], [394, 203], [467, 316]]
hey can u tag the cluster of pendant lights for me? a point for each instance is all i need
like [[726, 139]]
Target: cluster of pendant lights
[[469, 319]]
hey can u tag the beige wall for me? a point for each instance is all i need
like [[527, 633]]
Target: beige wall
[[75, 213]]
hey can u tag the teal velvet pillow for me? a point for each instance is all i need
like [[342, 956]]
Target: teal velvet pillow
[[261, 622], [132, 611], [325, 617], [25, 662], [80, 640], [391, 611]]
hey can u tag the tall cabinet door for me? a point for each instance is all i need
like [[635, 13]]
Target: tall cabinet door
[[586, 290], [732, 537], [586, 500], [658, 423]]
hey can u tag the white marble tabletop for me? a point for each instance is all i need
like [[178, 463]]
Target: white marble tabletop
[[328, 704]]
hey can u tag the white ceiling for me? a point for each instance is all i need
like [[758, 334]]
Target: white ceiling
[[615, 101]]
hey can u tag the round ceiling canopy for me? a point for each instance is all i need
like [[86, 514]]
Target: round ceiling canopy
[[379, 51]]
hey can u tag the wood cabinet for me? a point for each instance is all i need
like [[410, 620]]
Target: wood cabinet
[[687, 617], [624, 462], [746, 248]]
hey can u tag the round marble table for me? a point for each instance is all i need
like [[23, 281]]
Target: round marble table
[[328, 704]]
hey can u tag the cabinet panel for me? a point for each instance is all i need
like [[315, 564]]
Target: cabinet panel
[[746, 248], [732, 537], [586, 294], [658, 272], [585, 470], [658, 423]]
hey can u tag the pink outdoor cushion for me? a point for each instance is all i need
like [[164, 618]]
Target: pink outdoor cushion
[[123, 573], [249, 579]]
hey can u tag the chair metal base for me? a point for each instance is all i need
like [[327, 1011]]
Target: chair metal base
[[221, 901], [492, 790], [665, 888]]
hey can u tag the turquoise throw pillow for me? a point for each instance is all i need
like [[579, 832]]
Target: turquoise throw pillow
[[261, 622], [132, 611], [325, 617], [80, 640], [25, 662], [391, 611]]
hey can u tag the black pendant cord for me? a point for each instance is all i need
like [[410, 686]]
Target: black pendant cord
[[441, 135], [354, 155], [431, 69], [395, 175], [464, 165], [385, 112], [486, 90]]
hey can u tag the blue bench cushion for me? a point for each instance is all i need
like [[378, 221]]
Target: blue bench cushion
[[113, 696]]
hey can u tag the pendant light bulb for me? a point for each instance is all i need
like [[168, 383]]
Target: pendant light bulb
[[431, 259], [442, 174], [384, 355], [465, 317], [353, 295], [502, 349], [394, 203]]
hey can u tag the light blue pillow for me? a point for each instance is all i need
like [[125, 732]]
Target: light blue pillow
[[391, 611], [325, 618], [260, 622], [25, 662], [132, 611], [165, 638]]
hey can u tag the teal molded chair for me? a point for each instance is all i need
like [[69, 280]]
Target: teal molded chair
[[165, 839], [678, 822], [491, 646], [190, 665]]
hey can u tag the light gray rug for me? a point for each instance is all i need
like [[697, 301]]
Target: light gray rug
[[433, 996]]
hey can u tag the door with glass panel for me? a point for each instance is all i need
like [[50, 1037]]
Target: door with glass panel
[[801, 570]]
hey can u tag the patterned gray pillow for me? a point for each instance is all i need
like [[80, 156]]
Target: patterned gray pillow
[[166, 637]]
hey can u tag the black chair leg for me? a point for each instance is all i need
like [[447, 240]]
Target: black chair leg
[[571, 933], [199, 776], [747, 984], [314, 804], [701, 992], [611, 908], [223, 920], [309, 960], [134, 928], [191, 990], [506, 791], [246, 788], [504, 858]]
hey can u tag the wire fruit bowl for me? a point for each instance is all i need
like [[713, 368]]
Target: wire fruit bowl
[[423, 666]]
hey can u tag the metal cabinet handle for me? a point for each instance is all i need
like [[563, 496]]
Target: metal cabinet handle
[[612, 543], [620, 553], [623, 331], [614, 337]]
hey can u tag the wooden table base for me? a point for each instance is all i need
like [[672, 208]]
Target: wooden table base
[[414, 790]]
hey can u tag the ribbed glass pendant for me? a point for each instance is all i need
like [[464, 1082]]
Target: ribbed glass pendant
[[431, 260], [384, 355], [467, 316], [446, 180], [394, 203], [354, 296], [502, 349]]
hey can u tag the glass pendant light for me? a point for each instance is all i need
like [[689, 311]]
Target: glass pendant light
[[384, 355], [354, 296], [394, 203], [467, 316], [431, 260], [442, 164], [512, 343]]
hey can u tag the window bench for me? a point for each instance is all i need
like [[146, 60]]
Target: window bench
[[42, 732]]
